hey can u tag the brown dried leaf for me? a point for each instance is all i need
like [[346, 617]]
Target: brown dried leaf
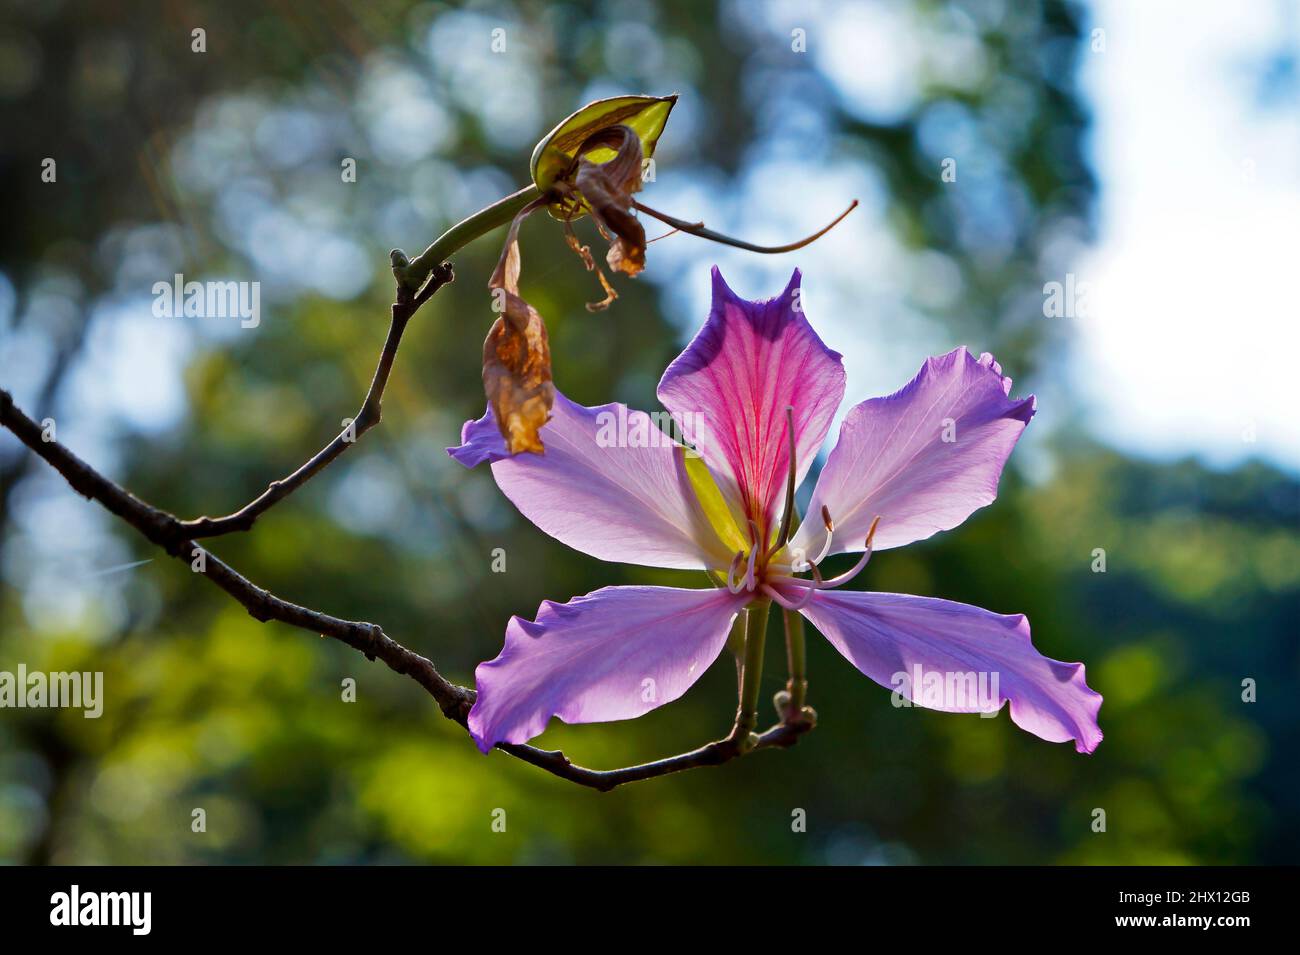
[[517, 380], [516, 354]]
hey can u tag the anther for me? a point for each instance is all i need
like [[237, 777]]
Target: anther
[[856, 569], [830, 534]]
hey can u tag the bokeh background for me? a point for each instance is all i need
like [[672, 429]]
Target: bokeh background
[[1147, 155]]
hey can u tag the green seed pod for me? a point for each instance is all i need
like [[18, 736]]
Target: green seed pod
[[555, 154]]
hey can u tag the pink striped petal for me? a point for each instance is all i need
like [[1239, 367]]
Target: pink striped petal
[[731, 386], [939, 643], [614, 654], [923, 459]]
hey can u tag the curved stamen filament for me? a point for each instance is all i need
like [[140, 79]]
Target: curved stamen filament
[[800, 567], [856, 569], [818, 583], [848, 575], [750, 581], [787, 518], [786, 580], [830, 533], [790, 604], [732, 585]]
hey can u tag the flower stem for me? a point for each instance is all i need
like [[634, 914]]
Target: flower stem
[[414, 272], [751, 673], [797, 658]]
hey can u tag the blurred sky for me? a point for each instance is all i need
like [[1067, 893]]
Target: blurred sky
[[1197, 148]]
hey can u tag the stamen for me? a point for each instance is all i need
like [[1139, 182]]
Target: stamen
[[789, 604], [788, 581], [750, 581], [845, 577], [871, 531], [830, 533], [806, 565], [787, 518], [856, 569], [732, 585]]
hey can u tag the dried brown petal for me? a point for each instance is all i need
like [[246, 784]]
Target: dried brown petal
[[516, 354], [608, 188], [517, 380]]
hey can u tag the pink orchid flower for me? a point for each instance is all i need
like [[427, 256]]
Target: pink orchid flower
[[906, 466]]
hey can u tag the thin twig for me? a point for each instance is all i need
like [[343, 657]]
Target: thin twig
[[779, 736], [699, 229], [408, 301], [176, 537]]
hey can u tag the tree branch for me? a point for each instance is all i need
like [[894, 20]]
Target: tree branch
[[408, 301], [178, 537], [781, 735], [411, 272]]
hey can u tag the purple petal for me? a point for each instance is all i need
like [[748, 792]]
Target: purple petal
[[611, 655], [731, 386], [885, 635], [923, 458], [480, 441], [610, 484]]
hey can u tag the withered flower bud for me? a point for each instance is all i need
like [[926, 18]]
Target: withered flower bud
[[516, 353], [590, 163], [607, 188]]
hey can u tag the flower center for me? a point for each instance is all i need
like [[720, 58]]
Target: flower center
[[771, 578], [763, 574]]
